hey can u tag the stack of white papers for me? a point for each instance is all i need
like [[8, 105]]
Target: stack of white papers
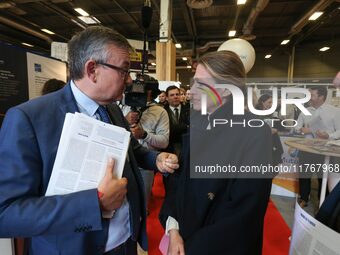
[[84, 148], [311, 237]]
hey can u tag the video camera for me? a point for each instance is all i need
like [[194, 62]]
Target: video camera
[[136, 94]]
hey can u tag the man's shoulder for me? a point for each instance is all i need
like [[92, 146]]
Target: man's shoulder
[[156, 107], [42, 103], [331, 107]]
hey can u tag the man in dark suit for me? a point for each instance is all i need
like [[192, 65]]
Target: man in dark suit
[[179, 119], [73, 224]]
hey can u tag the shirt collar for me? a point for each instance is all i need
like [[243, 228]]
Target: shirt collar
[[85, 103], [173, 108]]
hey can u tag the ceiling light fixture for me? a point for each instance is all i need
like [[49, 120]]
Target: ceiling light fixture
[[184, 58], [188, 67], [94, 18], [47, 31], [324, 48], [81, 12], [76, 22], [268, 56], [232, 33], [153, 64], [315, 15], [89, 20], [239, 2], [284, 42], [27, 44], [178, 45]]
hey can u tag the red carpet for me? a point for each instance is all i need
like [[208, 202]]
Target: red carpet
[[153, 227], [276, 231]]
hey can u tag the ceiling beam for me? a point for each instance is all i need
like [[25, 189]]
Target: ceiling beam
[[155, 4], [187, 20], [23, 28], [63, 14], [302, 22], [129, 15]]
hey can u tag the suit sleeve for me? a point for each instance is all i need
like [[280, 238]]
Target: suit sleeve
[[237, 223], [175, 184], [24, 210]]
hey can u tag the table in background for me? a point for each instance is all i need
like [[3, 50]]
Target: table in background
[[317, 146]]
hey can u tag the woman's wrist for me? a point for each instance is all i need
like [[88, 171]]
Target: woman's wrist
[[173, 232]]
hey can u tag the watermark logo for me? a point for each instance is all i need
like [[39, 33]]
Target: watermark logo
[[212, 93], [239, 102]]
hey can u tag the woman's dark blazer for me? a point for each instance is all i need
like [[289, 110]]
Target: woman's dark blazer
[[221, 215]]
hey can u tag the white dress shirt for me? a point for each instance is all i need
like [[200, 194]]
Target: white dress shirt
[[330, 117]]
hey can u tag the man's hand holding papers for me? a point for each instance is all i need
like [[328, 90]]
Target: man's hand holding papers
[[112, 189]]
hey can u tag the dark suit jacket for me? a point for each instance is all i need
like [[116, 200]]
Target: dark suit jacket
[[220, 216], [69, 224], [329, 213], [177, 129]]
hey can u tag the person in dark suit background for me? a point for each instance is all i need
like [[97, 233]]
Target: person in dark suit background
[[211, 215], [52, 85], [72, 224], [179, 119], [265, 102], [162, 99]]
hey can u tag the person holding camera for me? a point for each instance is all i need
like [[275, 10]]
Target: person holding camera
[[150, 126]]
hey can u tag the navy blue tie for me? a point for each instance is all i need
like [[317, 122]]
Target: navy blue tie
[[103, 114]]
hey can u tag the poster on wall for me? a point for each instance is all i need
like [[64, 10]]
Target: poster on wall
[[287, 183], [13, 78], [40, 69]]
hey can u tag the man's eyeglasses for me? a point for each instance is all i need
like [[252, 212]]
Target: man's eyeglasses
[[124, 72]]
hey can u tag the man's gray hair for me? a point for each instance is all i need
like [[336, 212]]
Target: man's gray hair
[[92, 43]]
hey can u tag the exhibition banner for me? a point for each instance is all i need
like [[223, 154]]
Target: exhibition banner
[[13, 78]]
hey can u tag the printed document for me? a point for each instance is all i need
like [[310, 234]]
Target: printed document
[[311, 237], [84, 148]]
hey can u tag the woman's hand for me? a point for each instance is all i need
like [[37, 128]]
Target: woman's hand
[[176, 244]]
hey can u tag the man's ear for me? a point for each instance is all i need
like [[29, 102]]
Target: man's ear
[[90, 70]]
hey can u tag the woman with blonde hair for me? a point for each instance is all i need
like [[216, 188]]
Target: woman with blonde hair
[[212, 206]]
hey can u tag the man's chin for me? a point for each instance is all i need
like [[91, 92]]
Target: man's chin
[[119, 98]]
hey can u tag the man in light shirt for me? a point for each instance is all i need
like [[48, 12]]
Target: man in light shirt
[[323, 124]]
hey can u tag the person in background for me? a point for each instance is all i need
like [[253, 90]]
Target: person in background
[[218, 215], [51, 86], [179, 119], [323, 124], [187, 96], [336, 81], [151, 128], [99, 61], [182, 94], [162, 99], [265, 102]]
